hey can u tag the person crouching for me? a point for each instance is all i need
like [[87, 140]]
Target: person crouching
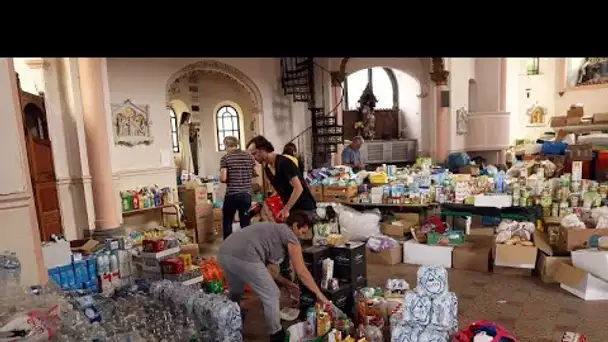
[[245, 257]]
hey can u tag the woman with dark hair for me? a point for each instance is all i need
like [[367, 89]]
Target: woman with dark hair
[[250, 256], [291, 151]]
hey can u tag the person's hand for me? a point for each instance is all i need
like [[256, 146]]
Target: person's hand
[[321, 298], [283, 214]]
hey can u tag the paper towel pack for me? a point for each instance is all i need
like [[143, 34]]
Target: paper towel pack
[[417, 308], [431, 335], [432, 281], [405, 333], [444, 313]]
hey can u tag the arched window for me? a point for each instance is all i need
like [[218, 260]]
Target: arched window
[[384, 86], [227, 121], [174, 136]]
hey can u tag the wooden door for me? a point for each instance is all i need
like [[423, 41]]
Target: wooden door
[[42, 172]]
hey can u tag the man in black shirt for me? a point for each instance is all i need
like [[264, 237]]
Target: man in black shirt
[[284, 176]]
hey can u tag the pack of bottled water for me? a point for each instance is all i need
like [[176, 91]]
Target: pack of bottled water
[[132, 314]]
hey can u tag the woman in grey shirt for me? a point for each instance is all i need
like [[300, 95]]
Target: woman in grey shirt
[[246, 254]]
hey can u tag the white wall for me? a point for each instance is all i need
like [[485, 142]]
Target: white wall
[[488, 74], [214, 90], [409, 105], [144, 81], [461, 71], [418, 68], [543, 91]]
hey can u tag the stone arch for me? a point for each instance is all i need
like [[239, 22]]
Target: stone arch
[[223, 68]]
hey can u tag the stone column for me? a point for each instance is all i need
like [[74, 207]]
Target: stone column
[[440, 76], [96, 114], [336, 96]]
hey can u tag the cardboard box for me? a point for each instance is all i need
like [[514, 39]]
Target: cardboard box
[[469, 170], [191, 249], [486, 231], [396, 228], [511, 271], [547, 265], [575, 112], [414, 218], [580, 283], [572, 239], [558, 121], [515, 256], [600, 118], [421, 254], [390, 256], [84, 247], [580, 152], [317, 192], [474, 254]]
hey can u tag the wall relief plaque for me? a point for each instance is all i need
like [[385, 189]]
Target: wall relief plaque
[[462, 121], [131, 124], [536, 115]]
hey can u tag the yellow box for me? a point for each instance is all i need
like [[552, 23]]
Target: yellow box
[[186, 259]]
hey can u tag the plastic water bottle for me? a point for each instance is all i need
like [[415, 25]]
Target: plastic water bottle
[[106, 262], [10, 268], [113, 263], [100, 266]]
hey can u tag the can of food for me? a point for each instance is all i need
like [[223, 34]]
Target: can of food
[[523, 201], [555, 209]]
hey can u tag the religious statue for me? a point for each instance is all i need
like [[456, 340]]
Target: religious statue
[[187, 164], [462, 120], [367, 104]]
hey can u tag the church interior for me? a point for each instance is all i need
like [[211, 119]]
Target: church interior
[[103, 150]]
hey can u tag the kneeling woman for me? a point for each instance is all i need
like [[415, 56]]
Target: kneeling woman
[[245, 255]]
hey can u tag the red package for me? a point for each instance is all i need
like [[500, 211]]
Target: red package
[[433, 224], [570, 336], [172, 266], [153, 245], [275, 204], [467, 334]]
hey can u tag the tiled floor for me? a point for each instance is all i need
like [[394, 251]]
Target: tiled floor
[[532, 310]]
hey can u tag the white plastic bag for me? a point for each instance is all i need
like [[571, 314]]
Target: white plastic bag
[[356, 226]]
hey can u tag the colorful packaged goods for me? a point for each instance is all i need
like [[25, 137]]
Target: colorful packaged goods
[[146, 197], [186, 259], [275, 204], [153, 245], [172, 266]]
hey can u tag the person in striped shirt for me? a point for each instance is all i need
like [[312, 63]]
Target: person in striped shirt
[[237, 169]]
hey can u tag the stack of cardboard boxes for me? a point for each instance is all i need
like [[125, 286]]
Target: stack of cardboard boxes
[[349, 269], [198, 212], [397, 229]]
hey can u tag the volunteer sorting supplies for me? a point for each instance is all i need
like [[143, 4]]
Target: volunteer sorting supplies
[[430, 311]]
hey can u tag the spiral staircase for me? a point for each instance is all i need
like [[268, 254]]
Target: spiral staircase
[[317, 142]]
